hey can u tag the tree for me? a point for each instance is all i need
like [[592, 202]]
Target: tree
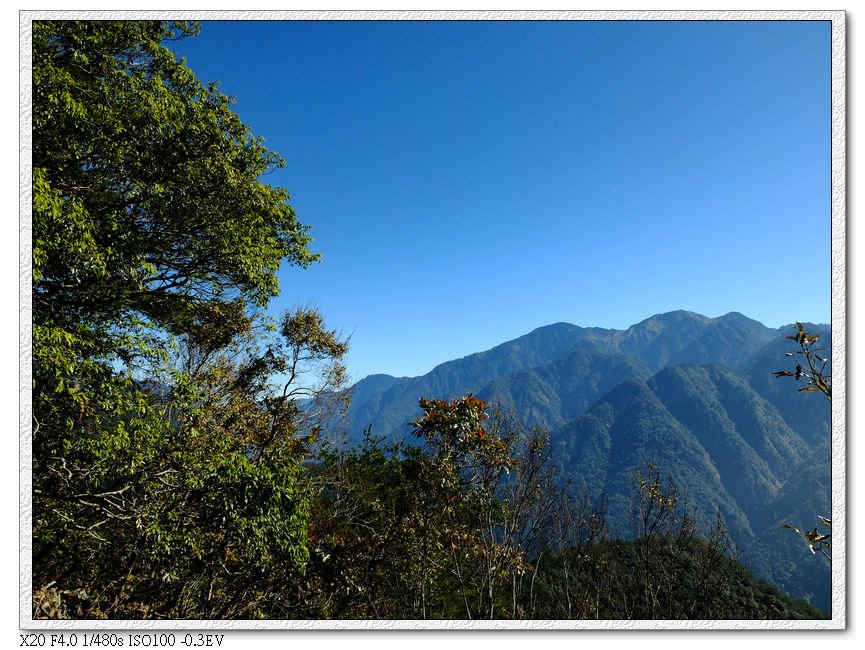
[[462, 516], [147, 196], [439, 531], [365, 514], [813, 374], [660, 517], [815, 377], [493, 496], [153, 233], [237, 525], [214, 523]]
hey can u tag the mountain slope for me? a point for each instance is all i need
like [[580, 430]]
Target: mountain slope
[[674, 337], [389, 409], [551, 395], [777, 554], [685, 337], [750, 444], [806, 413], [631, 427], [725, 446]]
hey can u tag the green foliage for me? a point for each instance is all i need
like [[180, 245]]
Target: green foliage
[[396, 534], [362, 534], [146, 201], [166, 481], [604, 581], [439, 531], [668, 571]]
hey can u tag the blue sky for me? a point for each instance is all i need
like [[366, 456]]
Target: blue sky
[[467, 182]]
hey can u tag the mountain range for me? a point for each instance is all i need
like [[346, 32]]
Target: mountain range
[[694, 395]]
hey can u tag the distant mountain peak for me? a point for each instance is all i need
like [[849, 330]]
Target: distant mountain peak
[[560, 326], [739, 319], [659, 322], [381, 376]]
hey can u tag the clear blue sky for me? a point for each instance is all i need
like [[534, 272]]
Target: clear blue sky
[[467, 182]]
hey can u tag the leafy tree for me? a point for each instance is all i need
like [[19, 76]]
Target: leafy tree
[[215, 523], [439, 531], [471, 461], [165, 481], [362, 561], [147, 197], [501, 501]]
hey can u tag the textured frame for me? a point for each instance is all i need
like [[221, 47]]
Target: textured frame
[[838, 320]]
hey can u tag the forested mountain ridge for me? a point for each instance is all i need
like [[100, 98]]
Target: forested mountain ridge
[[695, 395], [397, 402], [678, 337], [727, 448], [551, 395]]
